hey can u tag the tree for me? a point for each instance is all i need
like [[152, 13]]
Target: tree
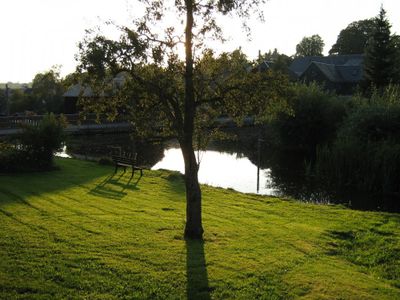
[[310, 46], [21, 101], [353, 39], [164, 93], [396, 45], [47, 91], [44, 96], [280, 61], [380, 54]]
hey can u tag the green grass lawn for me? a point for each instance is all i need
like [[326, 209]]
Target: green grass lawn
[[81, 233]]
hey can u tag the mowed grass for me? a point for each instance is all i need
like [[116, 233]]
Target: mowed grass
[[81, 233]]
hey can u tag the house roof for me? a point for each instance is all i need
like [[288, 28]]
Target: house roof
[[77, 90], [328, 70], [339, 74], [264, 66], [350, 73], [300, 64]]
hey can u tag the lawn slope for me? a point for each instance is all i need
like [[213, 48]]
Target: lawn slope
[[82, 233]]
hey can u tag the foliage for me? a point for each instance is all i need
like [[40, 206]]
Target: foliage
[[45, 95], [8, 157], [279, 61], [21, 101], [380, 55], [315, 118], [365, 155], [34, 146], [310, 46], [353, 39], [164, 93], [47, 88], [105, 237]]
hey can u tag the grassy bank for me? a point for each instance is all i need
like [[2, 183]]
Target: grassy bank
[[80, 233]]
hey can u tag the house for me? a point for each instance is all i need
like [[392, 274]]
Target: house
[[339, 73], [76, 91], [72, 95]]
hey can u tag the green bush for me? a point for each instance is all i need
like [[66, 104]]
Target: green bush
[[366, 154], [35, 146], [315, 119], [8, 157]]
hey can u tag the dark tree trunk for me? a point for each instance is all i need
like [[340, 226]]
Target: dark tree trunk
[[194, 228]]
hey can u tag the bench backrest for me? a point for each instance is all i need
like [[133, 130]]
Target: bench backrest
[[127, 158]]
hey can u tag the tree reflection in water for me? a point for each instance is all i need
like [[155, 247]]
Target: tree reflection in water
[[233, 164]]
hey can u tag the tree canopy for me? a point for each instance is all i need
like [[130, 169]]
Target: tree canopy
[[353, 39], [164, 93], [44, 96], [310, 46]]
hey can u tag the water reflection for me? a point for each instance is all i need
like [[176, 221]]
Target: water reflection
[[222, 169], [93, 147], [233, 164]]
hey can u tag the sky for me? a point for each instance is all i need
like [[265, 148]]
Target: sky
[[38, 34]]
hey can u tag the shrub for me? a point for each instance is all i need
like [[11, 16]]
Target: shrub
[[36, 145], [366, 154], [315, 119], [40, 142]]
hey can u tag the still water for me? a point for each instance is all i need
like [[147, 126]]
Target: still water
[[221, 169], [233, 165]]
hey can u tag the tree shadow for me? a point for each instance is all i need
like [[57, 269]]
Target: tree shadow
[[70, 173], [197, 277], [115, 187]]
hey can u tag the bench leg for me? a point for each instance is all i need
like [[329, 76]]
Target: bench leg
[[141, 172], [116, 169], [124, 169], [133, 171]]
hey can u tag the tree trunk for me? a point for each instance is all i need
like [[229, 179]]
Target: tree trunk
[[194, 228]]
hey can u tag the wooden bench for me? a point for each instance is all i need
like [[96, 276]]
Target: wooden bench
[[127, 160]]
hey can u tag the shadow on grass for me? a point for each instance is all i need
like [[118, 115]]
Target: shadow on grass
[[71, 173], [176, 181], [115, 187], [197, 277]]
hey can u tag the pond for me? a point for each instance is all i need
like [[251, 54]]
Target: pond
[[233, 164], [222, 169], [217, 168]]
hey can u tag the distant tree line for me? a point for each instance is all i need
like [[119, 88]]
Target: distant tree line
[[43, 95]]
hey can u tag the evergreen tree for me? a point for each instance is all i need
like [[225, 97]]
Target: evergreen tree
[[380, 54]]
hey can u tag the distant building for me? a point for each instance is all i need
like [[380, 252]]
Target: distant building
[[339, 73], [74, 92], [72, 95]]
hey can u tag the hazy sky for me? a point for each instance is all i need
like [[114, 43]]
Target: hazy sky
[[37, 34]]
